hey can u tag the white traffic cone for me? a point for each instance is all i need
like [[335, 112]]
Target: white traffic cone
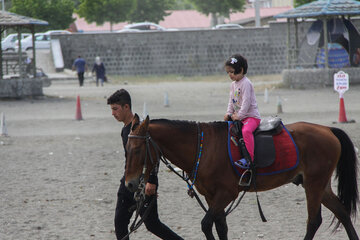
[[3, 130], [145, 112], [266, 96], [166, 100], [279, 105]]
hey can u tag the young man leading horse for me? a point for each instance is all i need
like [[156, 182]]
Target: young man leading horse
[[120, 103]]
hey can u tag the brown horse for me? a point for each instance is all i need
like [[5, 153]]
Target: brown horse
[[321, 150]]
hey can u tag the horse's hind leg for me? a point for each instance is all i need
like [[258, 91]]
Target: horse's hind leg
[[313, 225], [332, 202], [221, 226], [313, 197]]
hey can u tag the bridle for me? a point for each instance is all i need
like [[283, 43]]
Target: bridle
[[139, 195], [148, 141]]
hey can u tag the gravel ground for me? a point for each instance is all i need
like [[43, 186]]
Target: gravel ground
[[59, 176]]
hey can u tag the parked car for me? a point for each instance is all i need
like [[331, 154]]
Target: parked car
[[8, 43], [228, 26], [42, 40], [144, 26]]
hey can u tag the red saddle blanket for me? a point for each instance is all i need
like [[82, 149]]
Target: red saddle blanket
[[286, 153]]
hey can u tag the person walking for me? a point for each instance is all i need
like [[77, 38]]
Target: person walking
[[99, 70], [120, 104], [80, 66]]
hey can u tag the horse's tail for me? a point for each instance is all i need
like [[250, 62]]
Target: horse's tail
[[346, 172]]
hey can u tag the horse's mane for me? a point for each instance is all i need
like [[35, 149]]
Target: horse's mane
[[188, 125]]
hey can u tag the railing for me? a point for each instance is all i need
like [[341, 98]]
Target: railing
[[10, 63]]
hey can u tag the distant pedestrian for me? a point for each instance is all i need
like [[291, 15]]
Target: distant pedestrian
[[99, 69], [80, 66]]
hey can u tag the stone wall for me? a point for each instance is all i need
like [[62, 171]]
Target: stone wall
[[315, 78], [21, 87], [187, 53], [200, 52]]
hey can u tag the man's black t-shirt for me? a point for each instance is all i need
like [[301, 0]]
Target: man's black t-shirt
[[124, 135]]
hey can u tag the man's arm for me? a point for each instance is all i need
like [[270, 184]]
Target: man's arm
[[151, 185]]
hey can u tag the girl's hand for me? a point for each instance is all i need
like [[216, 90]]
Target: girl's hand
[[227, 117], [234, 117]]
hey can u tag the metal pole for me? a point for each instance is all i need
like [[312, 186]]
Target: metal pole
[[257, 13], [1, 56], [34, 51], [288, 43], [20, 51], [3, 8], [326, 43], [296, 53]]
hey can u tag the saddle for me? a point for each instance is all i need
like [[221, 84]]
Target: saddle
[[264, 152]]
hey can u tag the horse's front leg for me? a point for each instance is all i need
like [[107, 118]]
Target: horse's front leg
[[207, 224], [220, 224]]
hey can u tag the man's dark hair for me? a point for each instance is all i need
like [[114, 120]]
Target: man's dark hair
[[237, 62], [120, 97]]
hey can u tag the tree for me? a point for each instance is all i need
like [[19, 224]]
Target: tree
[[182, 5], [58, 13], [101, 11], [150, 10], [76, 3], [302, 2], [218, 8]]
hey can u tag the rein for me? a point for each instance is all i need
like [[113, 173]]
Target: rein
[[139, 195], [190, 184]]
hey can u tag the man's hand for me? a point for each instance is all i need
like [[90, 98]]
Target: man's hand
[[150, 189]]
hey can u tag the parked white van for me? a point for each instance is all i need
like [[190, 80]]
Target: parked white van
[[42, 40], [8, 43]]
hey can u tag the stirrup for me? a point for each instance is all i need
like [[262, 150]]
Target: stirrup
[[246, 184], [243, 163]]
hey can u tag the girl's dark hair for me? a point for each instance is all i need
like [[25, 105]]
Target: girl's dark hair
[[120, 97], [237, 62]]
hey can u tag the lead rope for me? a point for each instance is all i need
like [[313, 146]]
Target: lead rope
[[190, 186], [191, 191], [140, 197]]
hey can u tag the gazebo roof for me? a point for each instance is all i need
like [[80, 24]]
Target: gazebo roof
[[323, 8], [13, 19]]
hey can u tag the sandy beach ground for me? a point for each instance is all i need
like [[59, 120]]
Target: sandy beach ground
[[59, 177]]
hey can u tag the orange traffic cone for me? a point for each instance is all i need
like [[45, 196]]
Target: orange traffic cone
[[78, 115], [342, 114]]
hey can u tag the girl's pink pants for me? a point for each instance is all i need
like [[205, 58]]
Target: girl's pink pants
[[249, 126]]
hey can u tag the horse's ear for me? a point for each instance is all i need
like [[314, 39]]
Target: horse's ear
[[135, 122], [145, 124]]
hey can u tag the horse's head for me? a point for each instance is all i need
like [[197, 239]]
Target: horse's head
[[139, 160]]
